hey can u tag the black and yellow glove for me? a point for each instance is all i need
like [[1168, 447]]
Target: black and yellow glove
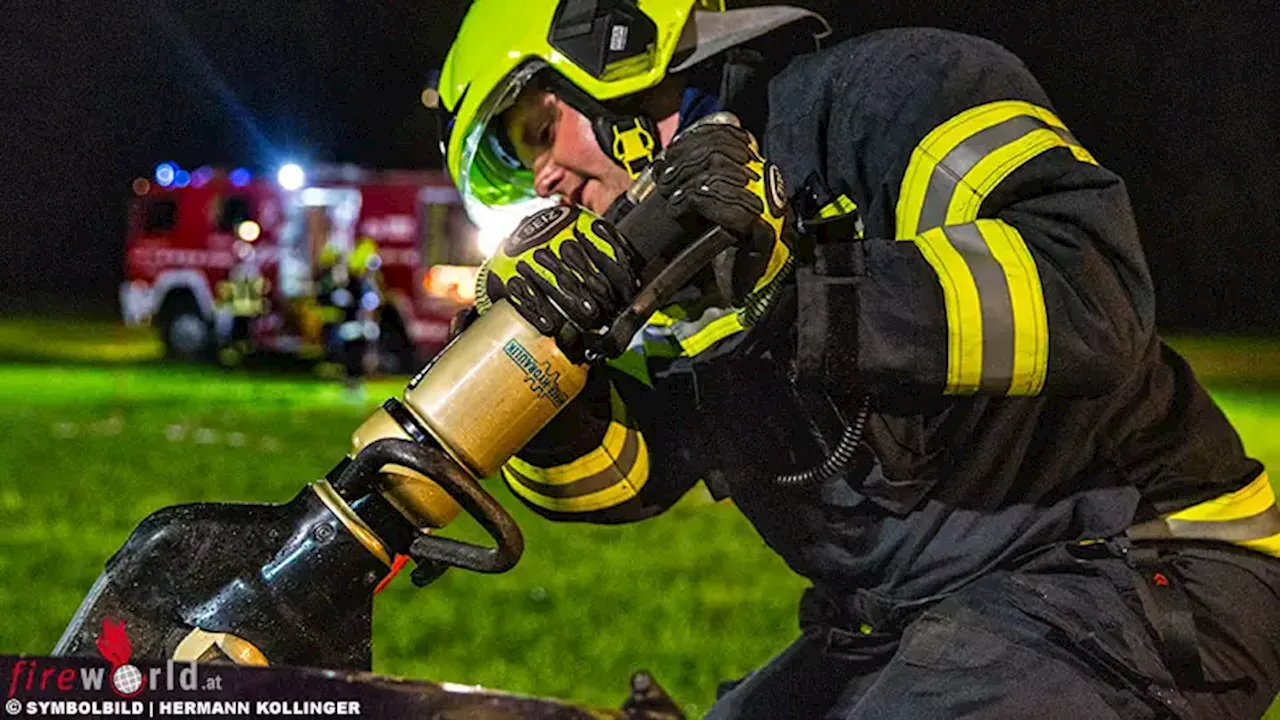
[[568, 272], [714, 175]]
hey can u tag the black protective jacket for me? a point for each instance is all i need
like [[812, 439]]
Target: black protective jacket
[[995, 306]]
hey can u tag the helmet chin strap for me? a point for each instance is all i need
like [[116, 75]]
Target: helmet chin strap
[[628, 137], [632, 142]]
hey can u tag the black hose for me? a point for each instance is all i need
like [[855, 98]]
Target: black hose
[[839, 458]]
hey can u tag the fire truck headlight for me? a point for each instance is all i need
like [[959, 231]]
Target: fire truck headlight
[[291, 177], [248, 231]]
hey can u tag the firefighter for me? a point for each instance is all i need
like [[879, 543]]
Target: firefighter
[[242, 298], [927, 373], [358, 331]]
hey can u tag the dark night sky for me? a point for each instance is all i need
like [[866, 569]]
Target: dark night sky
[[1182, 103]]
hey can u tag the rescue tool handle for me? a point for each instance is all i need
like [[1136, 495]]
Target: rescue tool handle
[[659, 291], [436, 464], [682, 269]]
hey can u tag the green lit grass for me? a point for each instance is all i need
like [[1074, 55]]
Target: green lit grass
[[88, 451], [77, 341], [91, 444]]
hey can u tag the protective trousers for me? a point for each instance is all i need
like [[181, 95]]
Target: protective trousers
[[1067, 634]]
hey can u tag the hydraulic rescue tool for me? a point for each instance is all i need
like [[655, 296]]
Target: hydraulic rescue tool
[[293, 583]]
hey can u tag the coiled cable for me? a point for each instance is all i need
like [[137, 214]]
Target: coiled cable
[[839, 458]]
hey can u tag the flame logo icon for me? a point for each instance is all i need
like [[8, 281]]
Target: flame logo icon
[[114, 645]]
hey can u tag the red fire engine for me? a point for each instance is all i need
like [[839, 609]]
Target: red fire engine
[[188, 232]]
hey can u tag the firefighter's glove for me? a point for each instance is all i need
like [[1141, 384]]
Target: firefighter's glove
[[568, 272], [714, 175]]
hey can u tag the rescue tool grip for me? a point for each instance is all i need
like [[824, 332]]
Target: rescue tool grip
[[683, 268], [436, 464], [659, 291]]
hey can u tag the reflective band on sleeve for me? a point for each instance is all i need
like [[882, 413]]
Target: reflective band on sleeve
[[1248, 501], [838, 207], [1247, 517], [956, 166], [997, 324], [705, 334], [996, 318], [607, 476]]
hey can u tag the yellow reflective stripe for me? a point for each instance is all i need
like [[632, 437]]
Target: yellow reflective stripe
[[615, 494], [602, 482], [715, 331], [597, 461], [1268, 545], [1030, 319], [1073, 145], [964, 311], [948, 136], [661, 319], [935, 146], [1248, 501], [840, 206], [992, 170], [951, 173]]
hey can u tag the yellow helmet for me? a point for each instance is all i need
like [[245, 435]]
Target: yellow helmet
[[364, 257], [591, 53]]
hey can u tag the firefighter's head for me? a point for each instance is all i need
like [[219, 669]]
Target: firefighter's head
[[574, 98]]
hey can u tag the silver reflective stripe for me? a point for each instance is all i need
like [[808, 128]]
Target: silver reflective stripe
[[1255, 527], [997, 308], [963, 158]]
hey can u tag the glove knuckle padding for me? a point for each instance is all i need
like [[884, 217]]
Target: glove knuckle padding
[[532, 306], [691, 175], [575, 255], [563, 267], [565, 288]]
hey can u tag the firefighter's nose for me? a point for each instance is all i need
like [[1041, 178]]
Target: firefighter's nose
[[548, 178]]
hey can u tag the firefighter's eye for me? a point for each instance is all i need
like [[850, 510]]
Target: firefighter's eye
[[544, 133]]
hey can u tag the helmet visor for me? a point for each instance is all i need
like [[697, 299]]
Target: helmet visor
[[490, 174]]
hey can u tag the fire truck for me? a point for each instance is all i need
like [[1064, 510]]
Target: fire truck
[[189, 232]]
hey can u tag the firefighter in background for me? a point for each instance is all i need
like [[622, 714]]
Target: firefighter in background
[[928, 373], [242, 299], [331, 297], [349, 294], [359, 331], [314, 312]]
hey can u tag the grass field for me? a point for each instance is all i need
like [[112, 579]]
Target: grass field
[[94, 435]]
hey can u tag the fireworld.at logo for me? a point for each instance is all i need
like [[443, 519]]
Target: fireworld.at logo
[[126, 680]]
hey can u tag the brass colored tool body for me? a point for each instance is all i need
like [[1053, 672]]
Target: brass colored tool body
[[482, 399]]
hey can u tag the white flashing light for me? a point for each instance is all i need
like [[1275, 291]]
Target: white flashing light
[[315, 197], [248, 231], [494, 224], [165, 173], [489, 239], [291, 177]]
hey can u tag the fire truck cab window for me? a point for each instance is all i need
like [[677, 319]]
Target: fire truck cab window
[[235, 210], [162, 215]]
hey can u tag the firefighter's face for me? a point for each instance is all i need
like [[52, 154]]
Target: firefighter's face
[[558, 144]]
